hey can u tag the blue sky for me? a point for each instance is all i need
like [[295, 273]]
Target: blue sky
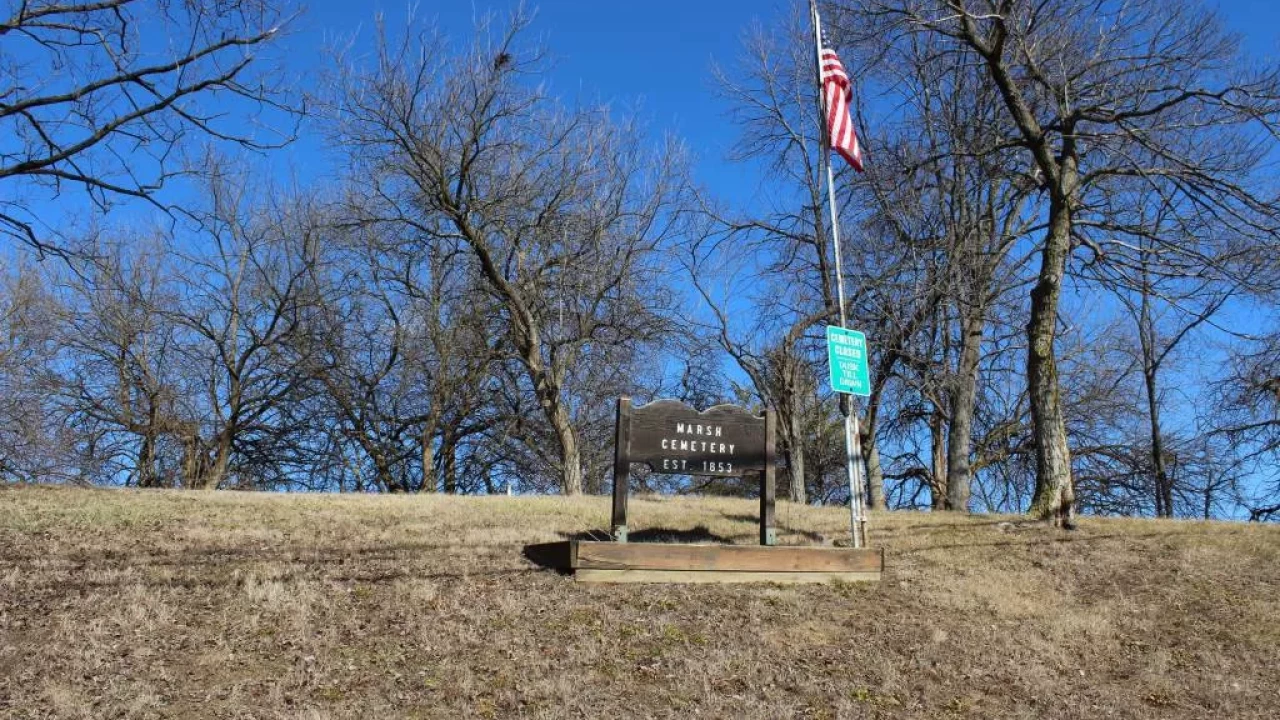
[[658, 53], [654, 55]]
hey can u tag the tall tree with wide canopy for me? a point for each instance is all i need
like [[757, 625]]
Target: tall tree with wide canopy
[[561, 210], [1096, 95]]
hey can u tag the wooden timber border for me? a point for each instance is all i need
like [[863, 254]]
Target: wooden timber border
[[677, 563]]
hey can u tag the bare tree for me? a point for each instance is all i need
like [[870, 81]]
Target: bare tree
[[961, 210], [102, 96], [780, 374], [929, 230], [246, 298], [32, 440], [782, 251], [1166, 310], [1249, 420], [121, 359], [1096, 94], [401, 349], [562, 211]]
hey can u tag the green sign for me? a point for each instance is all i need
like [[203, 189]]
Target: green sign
[[847, 354]]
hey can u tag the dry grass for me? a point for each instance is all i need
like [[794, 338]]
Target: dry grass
[[158, 604]]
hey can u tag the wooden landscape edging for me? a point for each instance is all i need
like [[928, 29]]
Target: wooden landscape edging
[[664, 562], [720, 577]]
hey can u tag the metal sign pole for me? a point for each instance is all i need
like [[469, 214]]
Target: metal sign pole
[[855, 495], [860, 521], [857, 519]]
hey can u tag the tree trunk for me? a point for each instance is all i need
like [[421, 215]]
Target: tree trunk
[[1163, 487], [546, 382], [428, 456], [963, 397], [147, 452], [1162, 491], [1054, 495], [217, 471], [875, 474], [795, 454], [147, 460], [547, 388], [194, 462], [386, 477], [449, 462], [937, 461], [570, 456]]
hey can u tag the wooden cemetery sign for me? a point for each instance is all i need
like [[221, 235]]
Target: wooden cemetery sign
[[673, 438], [725, 441]]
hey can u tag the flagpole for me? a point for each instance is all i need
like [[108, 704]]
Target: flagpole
[[852, 441]]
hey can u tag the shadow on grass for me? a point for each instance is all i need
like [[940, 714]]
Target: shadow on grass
[[974, 524], [80, 586], [555, 555], [549, 556], [221, 556], [699, 534], [812, 536]]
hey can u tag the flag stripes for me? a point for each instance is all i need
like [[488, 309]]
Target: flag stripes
[[837, 96]]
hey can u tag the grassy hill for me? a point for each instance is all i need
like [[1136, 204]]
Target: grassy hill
[[168, 604]]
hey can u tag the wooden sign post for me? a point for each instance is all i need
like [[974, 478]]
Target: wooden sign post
[[673, 438]]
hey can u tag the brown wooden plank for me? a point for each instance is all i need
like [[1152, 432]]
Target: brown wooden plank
[[742, 558], [722, 576]]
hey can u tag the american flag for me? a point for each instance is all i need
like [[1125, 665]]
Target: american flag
[[837, 94]]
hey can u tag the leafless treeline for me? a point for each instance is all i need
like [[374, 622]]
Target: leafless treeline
[[1067, 220], [454, 316], [1066, 206]]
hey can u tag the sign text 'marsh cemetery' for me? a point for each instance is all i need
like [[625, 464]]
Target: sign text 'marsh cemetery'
[[671, 437]]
